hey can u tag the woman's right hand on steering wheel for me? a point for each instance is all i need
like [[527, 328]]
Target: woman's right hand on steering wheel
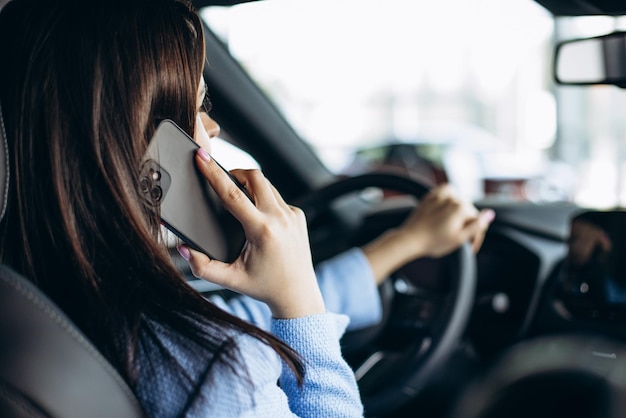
[[443, 221], [275, 265], [440, 224]]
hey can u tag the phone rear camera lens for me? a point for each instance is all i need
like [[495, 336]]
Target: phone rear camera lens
[[144, 184], [156, 193]]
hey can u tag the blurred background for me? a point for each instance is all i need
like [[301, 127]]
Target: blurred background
[[428, 90]]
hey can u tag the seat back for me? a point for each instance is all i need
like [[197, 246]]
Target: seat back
[[47, 368]]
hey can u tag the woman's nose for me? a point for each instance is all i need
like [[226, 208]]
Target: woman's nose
[[211, 127]]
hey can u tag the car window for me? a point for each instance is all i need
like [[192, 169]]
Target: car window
[[468, 84], [231, 156]]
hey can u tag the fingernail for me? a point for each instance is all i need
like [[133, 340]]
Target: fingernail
[[204, 155], [184, 252], [488, 215]]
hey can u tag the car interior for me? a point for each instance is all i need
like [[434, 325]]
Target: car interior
[[519, 328]]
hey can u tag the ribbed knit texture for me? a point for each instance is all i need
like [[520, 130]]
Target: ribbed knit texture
[[266, 388]]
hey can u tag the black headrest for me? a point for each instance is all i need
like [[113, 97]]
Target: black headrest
[[47, 367]]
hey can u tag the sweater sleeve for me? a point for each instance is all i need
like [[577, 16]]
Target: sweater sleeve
[[263, 387], [329, 388], [349, 288], [347, 285], [246, 308]]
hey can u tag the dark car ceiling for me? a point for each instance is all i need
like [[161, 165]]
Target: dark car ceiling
[[584, 7]]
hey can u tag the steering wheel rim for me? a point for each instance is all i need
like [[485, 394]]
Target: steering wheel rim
[[456, 315]]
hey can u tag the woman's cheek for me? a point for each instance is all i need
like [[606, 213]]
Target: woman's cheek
[[201, 136]]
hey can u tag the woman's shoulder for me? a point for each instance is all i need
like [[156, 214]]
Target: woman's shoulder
[[246, 385], [177, 379]]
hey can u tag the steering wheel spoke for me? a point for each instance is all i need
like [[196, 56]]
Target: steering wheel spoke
[[382, 365]]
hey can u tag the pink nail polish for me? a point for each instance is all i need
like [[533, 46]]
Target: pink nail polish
[[203, 154], [488, 215], [184, 252]]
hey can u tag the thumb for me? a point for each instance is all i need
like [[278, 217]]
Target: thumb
[[203, 267]]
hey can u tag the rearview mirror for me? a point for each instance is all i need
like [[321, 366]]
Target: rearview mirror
[[598, 60]]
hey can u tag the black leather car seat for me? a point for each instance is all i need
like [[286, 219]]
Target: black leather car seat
[[47, 367]]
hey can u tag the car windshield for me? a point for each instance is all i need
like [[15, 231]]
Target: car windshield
[[447, 90]]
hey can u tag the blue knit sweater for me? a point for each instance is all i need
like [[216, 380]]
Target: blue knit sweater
[[329, 388]]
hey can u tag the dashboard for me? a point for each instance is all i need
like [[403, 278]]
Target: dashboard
[[586, 292]]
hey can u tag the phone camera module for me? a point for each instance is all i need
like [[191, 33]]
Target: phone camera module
[[154, 183]]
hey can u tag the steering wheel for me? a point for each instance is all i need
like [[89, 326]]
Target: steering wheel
[[426, 341]]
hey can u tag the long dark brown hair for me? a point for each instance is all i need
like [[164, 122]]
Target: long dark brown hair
[[82, 88]]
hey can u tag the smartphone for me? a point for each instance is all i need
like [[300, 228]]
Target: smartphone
[[188, 206]]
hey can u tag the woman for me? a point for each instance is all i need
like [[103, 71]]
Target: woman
[[79, 112], [82, 90]]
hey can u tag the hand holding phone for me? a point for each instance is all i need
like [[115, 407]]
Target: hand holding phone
[[188, 206], [195, 199], [275, 266]]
